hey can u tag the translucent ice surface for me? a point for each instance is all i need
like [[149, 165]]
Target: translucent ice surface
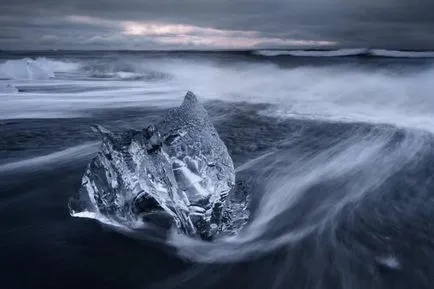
[[177, 172]]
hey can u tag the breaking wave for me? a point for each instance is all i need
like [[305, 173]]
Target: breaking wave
[[347, 52], [125, 69], [401, 54], [312, 53]]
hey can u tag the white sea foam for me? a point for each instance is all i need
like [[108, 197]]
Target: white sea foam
[[343, 93], [340, 92]]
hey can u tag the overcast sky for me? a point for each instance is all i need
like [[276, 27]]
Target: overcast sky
[[210, 24]]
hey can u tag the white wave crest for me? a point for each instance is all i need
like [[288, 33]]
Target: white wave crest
[[347, 52], [401, 54], [57, 65], [313, 53]]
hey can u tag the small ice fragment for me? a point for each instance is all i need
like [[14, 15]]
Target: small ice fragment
[[25, 69], [389, 261], [8, 88]]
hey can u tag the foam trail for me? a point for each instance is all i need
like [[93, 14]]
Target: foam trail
[[67, 105], [105, 221], [365, 159], [59, 157], [249, 164]]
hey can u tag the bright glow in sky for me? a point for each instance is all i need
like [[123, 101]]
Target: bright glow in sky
[[190, 35]]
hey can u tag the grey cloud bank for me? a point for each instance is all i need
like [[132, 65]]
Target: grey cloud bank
[[216, 24]]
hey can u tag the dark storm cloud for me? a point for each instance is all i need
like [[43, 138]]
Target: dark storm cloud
[[216, 23]]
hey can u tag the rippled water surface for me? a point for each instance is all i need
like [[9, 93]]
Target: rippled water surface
[[337, 154]]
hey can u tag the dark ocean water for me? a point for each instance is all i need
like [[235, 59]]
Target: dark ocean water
[[338, 155]]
